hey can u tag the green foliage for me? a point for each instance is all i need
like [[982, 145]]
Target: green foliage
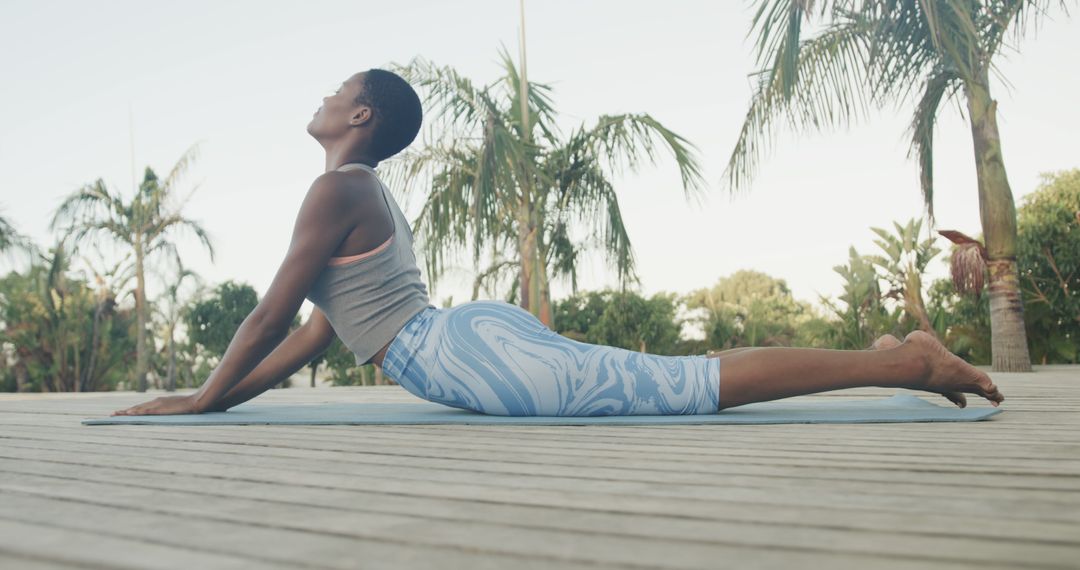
[[903, 266], [750, 308], [1048, 255], [341, 363], [212, 321], [621, 319], [863, 316], [62, 335], [576, 315], [962, 322]]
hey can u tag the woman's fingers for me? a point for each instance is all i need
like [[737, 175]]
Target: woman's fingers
[[163, 405], [136, 410]]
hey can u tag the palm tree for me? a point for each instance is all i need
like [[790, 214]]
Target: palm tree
[[147, 224], [883, 52], [503, 179]]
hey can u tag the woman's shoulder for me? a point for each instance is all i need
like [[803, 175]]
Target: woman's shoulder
[[350, 189], [336, 180]]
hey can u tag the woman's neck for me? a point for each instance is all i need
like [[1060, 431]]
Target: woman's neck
[[334, 160]]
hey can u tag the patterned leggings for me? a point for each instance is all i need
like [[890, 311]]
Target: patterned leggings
[[496, 358]]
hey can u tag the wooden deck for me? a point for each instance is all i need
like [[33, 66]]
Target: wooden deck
[[1003, 493]]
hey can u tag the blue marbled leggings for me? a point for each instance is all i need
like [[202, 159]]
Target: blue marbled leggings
[[496, 358]]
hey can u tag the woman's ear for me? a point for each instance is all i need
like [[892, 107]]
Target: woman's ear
[[362, 115]]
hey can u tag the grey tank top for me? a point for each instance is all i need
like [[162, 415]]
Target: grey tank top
[[369, 297]]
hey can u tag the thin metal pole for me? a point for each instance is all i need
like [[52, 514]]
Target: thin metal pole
[[131, 139], [524, 79]]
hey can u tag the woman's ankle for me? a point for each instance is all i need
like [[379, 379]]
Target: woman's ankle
[[915, 361]]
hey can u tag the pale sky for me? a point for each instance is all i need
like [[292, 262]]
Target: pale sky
[[242, 78]]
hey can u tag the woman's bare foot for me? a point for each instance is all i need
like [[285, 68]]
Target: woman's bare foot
[[948, 374]]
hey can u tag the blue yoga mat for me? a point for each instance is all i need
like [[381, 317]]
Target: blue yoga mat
[[899, 408]]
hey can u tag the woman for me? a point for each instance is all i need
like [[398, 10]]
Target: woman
[[351, 255]]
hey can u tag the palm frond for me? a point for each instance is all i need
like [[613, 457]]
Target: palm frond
[[464, 206], [180, 169], [941, 85], [160, 228], [540, 105], [493, 274], [12, 240], [458, 101], [824, 88], [632, 139], [84, 202]]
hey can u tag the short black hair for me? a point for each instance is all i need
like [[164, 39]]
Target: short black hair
[[397, 111]]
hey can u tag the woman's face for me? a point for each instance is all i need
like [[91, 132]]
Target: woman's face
[[336, 114]]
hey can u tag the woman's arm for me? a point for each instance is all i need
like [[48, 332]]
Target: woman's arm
[[326, 217], [295, 352], [298, 349]]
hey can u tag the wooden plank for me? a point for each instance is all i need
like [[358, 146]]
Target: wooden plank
[[733, 517], [249, 517], [75, 547], [712, 435], [535, 492], [575, 477], [144, 519], [1051, 458], [17, 561], [525, 465], [717, 440]]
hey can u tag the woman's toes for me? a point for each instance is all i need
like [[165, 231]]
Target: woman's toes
[[994, 395], [957, 398]]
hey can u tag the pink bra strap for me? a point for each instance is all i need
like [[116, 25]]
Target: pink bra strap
[[359, 256]]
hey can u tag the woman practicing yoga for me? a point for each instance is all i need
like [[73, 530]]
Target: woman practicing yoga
[[351, 255]]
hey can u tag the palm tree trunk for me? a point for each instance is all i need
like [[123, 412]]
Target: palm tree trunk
[[95, 336], [544, 284], [539, 272], [545, 298], [527, 254], [22, 377], [998, 214], [140, 311], [77, 375], [171, 384]]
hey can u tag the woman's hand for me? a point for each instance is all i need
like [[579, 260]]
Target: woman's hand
[[164, 405]]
